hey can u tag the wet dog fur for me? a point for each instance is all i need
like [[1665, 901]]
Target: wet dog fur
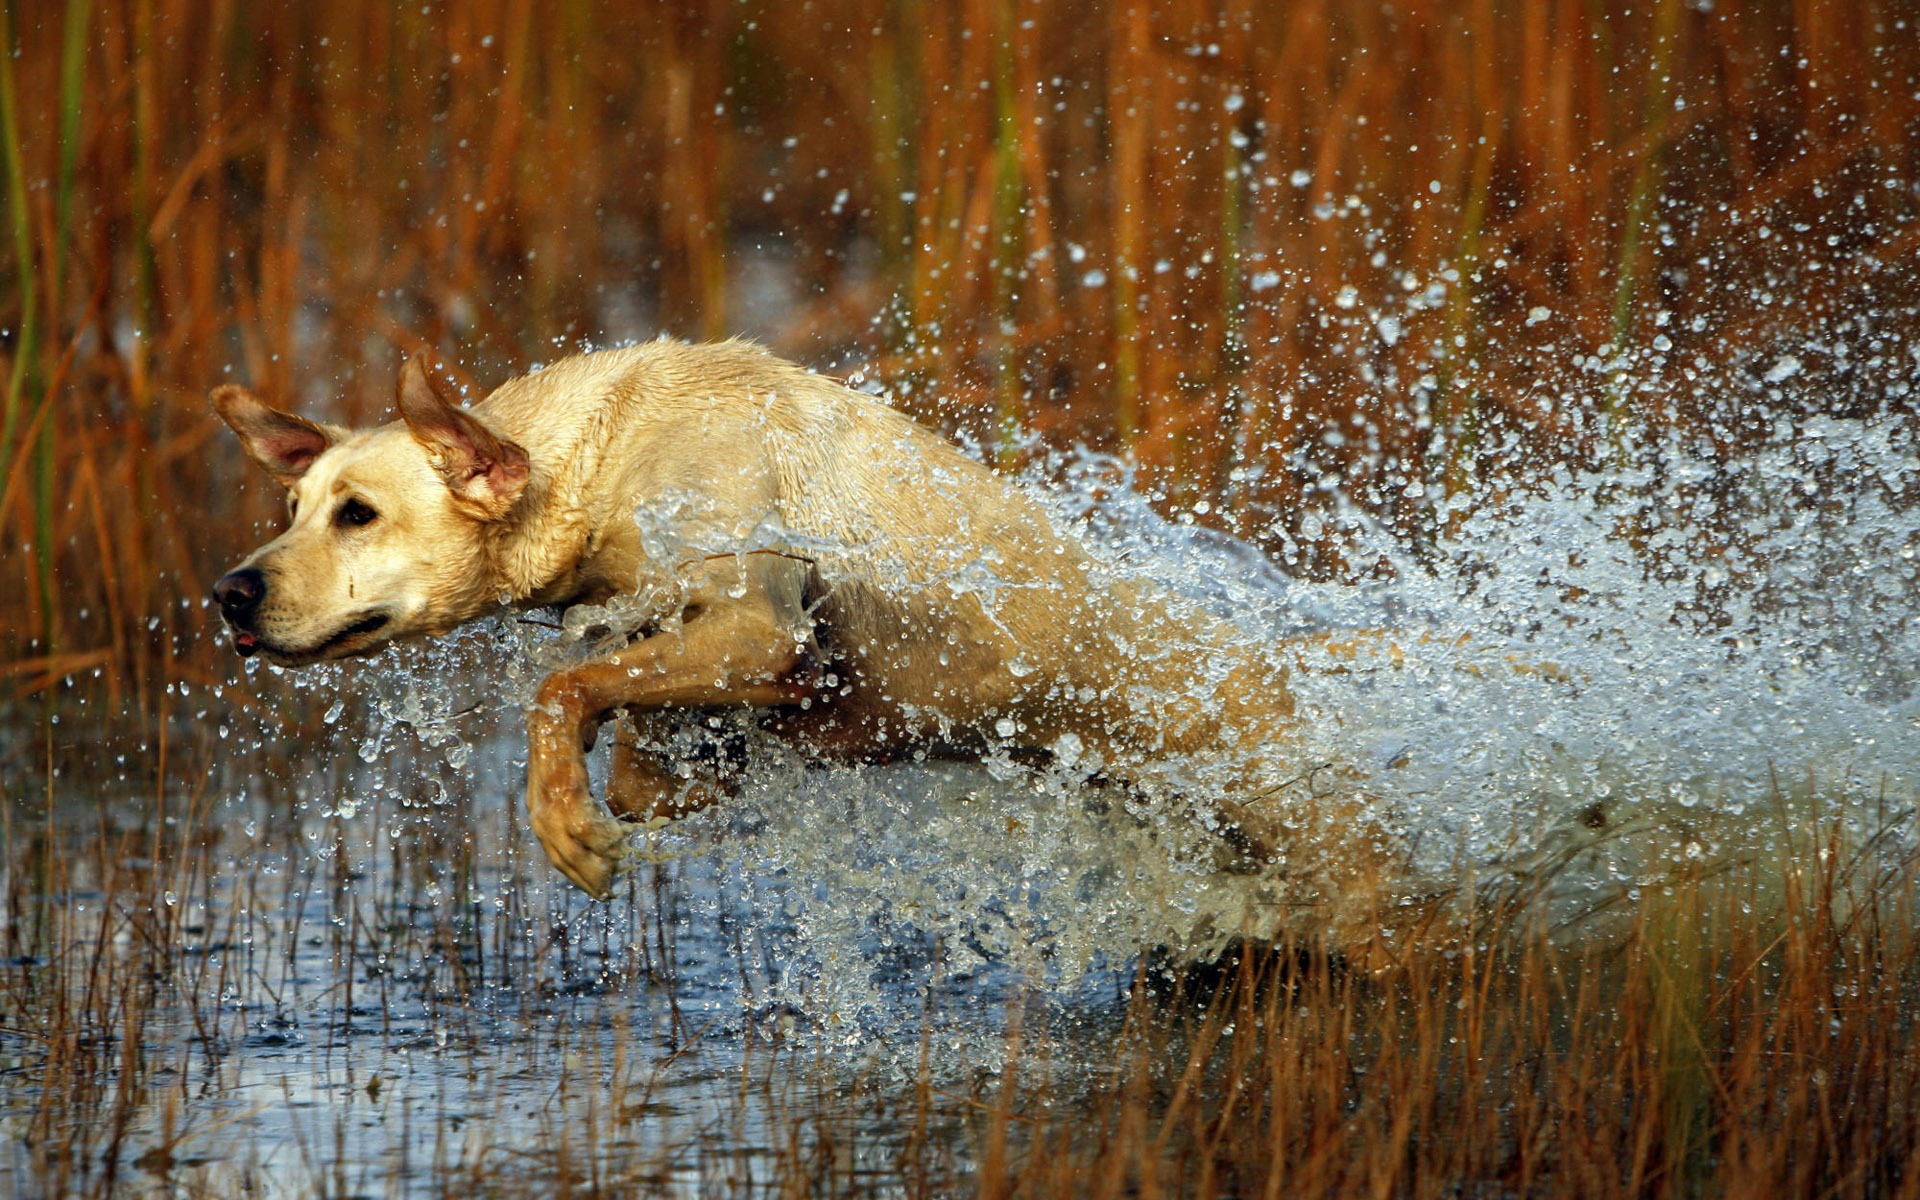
[[856, 582]]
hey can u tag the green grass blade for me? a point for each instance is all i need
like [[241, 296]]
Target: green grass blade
[[73, 66], [25, 346]]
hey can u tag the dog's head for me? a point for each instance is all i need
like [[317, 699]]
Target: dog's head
[[388, 525]]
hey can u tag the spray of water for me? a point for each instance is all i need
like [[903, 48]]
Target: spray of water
[[1680, 659]]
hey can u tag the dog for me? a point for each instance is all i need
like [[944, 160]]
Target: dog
[[796, 549]]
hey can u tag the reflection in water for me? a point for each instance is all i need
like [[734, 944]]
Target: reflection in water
[[331, 963]]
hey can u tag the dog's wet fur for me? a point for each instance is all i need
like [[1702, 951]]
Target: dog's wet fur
[[852, 579]]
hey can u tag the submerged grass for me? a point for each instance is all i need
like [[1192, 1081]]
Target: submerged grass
[[188, 1008]]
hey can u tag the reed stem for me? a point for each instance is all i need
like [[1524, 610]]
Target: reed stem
[[26, 346], [1128, 123], [1233, 300], [1459, 403], [1008, 242], [141, 200], [73, 65], [1656, 119]]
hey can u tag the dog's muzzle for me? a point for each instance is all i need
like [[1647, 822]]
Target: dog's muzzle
[[239, 594]]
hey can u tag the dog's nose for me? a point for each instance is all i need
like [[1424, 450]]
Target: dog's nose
[[239, 593]]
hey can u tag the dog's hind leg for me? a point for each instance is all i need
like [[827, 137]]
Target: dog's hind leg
[[736, 646]]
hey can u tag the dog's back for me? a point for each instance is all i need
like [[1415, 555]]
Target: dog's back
[[948, 594]]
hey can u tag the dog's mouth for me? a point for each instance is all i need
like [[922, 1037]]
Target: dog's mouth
[[247, 644]]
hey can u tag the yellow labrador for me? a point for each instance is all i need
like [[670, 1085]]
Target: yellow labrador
[[802, 550]]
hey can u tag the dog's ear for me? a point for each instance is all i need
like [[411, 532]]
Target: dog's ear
[[283, 444], [485, 473]]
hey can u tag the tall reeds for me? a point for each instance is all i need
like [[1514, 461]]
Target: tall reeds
[[1701, 1055], [1271, 252]]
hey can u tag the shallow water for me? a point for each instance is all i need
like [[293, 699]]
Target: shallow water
[[347, 977], [318, 952]]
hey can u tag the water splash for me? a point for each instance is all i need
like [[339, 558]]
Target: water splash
[[1576, 691]]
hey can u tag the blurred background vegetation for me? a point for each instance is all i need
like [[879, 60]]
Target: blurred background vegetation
[[1280, 256]]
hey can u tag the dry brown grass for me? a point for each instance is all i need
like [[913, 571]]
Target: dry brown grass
[[978, 199], [1709, 1054], [295, 194]]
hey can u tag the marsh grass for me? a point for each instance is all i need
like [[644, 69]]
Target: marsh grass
[[1203, 235], [229, 989], [1206, 235]]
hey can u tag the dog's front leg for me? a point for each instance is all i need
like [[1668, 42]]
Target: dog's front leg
[[580, 836], [734, 652]]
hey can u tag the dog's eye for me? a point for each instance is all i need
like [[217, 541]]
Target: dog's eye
[[355, 512]]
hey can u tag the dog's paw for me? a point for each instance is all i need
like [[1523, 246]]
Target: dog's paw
[[587, 847], [582, 839]]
